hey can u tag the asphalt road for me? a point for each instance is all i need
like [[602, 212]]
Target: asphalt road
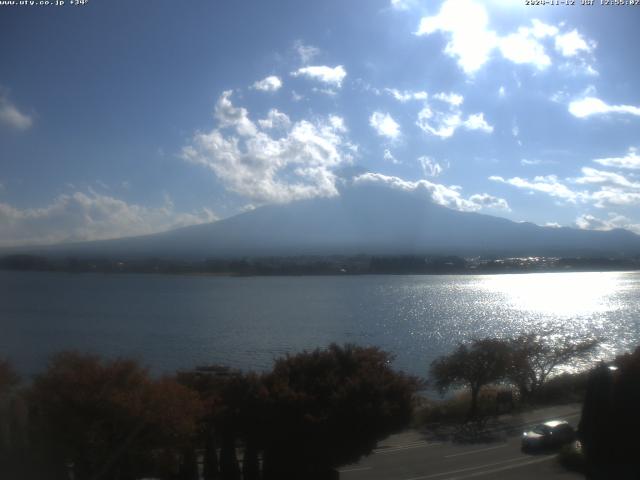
[[448, 455]]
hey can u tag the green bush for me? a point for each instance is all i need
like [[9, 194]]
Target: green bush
[[456, 408]]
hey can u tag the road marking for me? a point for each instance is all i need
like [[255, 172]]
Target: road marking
[[470, 452], [501, 469], [354, 469], [402, 445], [388, 451], [468, 469]]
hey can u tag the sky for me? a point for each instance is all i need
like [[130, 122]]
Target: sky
[[124, 118]]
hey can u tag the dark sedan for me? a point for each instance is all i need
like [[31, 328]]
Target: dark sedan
[[547, 435]]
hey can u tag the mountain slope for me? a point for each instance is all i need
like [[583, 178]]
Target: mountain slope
[[370, 220]]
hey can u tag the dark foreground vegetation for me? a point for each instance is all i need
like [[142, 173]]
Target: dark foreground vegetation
[[88, 418], [610, 420], [85, 417], [525, 362], [321, 265], [607, 446]]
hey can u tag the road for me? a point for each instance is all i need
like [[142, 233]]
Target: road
[[415, 455]]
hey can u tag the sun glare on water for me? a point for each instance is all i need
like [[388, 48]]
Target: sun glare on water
[[559, 294]]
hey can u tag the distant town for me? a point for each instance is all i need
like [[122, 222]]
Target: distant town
[[322, 265]]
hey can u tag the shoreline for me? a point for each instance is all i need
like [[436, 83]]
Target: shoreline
[[332, 274]]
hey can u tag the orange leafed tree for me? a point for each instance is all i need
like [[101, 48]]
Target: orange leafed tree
[[110, 418]]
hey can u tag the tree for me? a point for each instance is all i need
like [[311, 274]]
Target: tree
[[610, 419], [12, 419], [234, 414], [535, 356], [473, 366], [8, 377], [329, 407], [110, 419], [206, 382]]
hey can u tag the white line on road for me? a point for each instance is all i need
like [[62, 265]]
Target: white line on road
[[476, 451], [477, 467], [402, 445], [388, 451], [355, 469], [500, 469]]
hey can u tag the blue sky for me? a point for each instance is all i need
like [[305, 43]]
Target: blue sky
[[122, 118]]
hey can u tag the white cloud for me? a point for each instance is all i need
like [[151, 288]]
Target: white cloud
[[450, 98], [275, 119], [541, 30], [229, 116], [571, 43], [588, 106], [559, 97], [325, 91], [268, 84], [384, 125], [296, 164], [444, 124], [630, 161], [448, 196], [305, 52], [330, 75], [526, 162], [440, 124], [594, 176], [430, 167], [90, 216], [613, 188], [548, 184], [589, 70], [502, 92], [489, 201], [401, 4], [477, 122], [614, 196], [601, 188], [465, 22], [406, 95], [471, 42], [388, 156], [11, 116], [523, 47], [590, 222]]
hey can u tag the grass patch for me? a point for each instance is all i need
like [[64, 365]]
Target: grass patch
[[561, 389], [456, 408]]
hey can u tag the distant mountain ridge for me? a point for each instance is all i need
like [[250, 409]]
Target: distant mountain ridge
[[368, 219]]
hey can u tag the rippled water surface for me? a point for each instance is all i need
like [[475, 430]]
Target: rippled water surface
[[171, 322]]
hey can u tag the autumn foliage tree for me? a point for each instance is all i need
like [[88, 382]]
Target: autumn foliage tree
[[234, 404], [110, 419], [534, 357], [329, 407], [476, 365]]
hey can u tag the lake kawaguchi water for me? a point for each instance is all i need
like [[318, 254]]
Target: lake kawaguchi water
[[172, 322]]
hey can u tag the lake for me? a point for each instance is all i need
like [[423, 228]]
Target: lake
[[170, 322]]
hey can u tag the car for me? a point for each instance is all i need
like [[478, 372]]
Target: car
[[553, 433]]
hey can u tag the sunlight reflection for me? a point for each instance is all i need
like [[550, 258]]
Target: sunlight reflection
[[559, 294]]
